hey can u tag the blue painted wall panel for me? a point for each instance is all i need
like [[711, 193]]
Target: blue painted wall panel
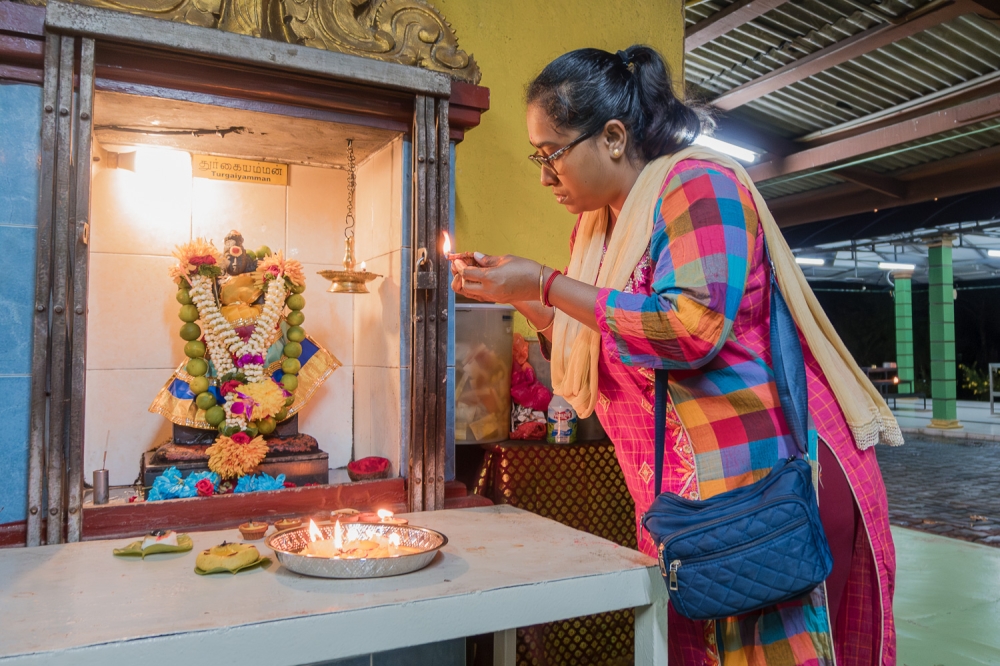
[[20, 157], [14, 403], [20, 128]]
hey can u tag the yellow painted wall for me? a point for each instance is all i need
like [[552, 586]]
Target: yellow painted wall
[[500, 207]]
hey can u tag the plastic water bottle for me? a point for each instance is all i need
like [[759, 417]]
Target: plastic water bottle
[[561, 422]]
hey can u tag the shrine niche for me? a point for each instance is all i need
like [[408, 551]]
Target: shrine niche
[[211, 172], [408, 32]]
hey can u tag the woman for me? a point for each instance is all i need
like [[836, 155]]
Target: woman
[[668, 271]]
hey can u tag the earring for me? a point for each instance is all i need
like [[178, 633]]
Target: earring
[[616, 152]]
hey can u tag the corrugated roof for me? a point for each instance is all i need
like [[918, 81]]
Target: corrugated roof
[[960, 53]]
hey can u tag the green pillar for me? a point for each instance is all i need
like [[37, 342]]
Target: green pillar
[[904, 331], [942, 311]]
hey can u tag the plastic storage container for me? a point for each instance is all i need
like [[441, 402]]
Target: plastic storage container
[[484, 341]]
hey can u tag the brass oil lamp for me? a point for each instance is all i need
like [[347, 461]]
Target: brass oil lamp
[[349, 280]]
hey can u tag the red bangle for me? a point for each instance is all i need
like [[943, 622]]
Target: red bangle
[[548, 285]]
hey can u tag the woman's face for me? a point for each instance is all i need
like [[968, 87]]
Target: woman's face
[[586, 176]]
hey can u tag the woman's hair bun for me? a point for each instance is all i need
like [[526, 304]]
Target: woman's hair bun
[[586, 88]]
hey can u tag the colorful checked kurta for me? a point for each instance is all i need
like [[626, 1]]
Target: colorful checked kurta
[[698, 305]]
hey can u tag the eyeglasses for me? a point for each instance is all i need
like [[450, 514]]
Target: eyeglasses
[[545, 161]]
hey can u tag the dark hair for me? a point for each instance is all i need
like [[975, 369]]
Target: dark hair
[[586, 88]]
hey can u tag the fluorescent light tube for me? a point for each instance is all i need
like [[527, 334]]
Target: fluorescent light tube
[[726, 148], [889, 266], [994, 253], [809, 261]]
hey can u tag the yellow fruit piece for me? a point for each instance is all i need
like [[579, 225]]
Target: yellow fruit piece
[[205, 400], [197, 367], [215, 415], [198, 385], [190, 332]]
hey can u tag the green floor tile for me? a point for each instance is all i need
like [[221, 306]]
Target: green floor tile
[[947, 602]]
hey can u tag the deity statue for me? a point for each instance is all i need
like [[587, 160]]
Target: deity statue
[[250, 366]]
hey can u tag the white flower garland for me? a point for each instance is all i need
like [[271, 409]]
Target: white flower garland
[[224, 343]]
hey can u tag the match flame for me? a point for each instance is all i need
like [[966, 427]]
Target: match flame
[[394, 539], [446, 248], [338, 540], [314, 532], [384, 514]]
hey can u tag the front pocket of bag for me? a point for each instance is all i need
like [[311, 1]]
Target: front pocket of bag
[[741, 529], [773, 568]]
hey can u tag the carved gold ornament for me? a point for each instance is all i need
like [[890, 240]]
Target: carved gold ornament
[[409, 32]]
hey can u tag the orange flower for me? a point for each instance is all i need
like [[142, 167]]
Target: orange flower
[[294, 272], [229, 459], [193, 254]]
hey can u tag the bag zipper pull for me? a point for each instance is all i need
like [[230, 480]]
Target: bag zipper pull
[[674, 566], [663, 567]]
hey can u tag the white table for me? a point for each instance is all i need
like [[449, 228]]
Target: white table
[[503, 568]]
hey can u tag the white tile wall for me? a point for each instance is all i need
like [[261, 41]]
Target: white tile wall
[[146, 211], [317, 206], [257, 211], [378, 375], [376, 414], [133, 319], [118, 403], [138, 217], [379, 203]]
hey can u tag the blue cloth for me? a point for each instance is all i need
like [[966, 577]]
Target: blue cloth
[[259, 482], [171, 485]]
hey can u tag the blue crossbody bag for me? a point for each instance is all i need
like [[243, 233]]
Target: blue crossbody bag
[[754, 546]]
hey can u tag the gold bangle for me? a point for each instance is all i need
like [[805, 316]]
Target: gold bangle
[[541, 284], [539, 330]]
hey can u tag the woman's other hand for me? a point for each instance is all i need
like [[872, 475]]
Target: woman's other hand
[[492, 279]]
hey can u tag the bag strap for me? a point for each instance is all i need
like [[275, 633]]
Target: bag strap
[[789, 376], [660, 416], [789, 366]]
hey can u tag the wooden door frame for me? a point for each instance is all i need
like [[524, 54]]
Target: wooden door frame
[[87, 48]]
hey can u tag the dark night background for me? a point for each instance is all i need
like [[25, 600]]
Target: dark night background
[[865, 321]]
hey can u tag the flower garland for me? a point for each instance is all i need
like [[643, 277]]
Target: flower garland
[[252, 404]]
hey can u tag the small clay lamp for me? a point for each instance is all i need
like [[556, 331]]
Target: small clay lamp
[[253, 531], [288, 524]]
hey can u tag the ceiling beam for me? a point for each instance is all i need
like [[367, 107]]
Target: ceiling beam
[[872, 180], [721, 22], [743, 134], [916, 21], [879, 139], [971, 172]]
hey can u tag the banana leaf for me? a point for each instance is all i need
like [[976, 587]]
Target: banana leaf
[[134, 549]]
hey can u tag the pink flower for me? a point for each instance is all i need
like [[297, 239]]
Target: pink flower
[[205, 488], [229, 387], [241, 437], [204, 259], [237, 408], [289, 484]]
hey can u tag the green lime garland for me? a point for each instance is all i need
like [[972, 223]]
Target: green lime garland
[[195, 349]]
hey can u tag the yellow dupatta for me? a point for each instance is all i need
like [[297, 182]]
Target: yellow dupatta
[[576, 348]]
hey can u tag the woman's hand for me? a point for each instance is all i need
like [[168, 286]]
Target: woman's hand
[[506, 279]]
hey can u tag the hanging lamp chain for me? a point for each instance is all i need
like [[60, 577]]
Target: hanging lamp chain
[[351, 181]]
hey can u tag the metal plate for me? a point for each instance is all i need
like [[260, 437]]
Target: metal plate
[[288, 544]]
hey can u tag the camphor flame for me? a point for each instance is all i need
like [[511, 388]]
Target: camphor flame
[[338, 540], [394, 539], [446, 247], [383, 514], [314, 532], [362, 267]]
